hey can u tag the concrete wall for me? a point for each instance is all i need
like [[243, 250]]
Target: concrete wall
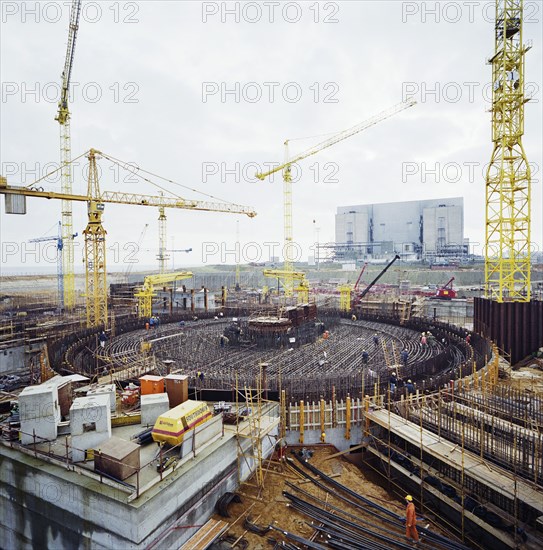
[[12, 360], [162, 303], [459, 312], [39, 410], [334, 436], [47, 506], [152, 406], [90, 424], [106, 389]]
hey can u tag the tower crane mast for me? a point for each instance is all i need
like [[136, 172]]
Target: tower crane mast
[[288, 266], [508, 177], [162, 256], [63, 118]]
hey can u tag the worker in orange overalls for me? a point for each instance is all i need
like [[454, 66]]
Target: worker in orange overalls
[[411, 532]]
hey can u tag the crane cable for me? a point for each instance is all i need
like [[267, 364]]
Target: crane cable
[[130, 168], [134, 169], [30, 185]]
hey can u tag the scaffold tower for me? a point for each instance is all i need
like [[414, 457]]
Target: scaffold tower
[[507, 252]]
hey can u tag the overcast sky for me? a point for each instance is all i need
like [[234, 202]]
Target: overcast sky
[[203, 92]]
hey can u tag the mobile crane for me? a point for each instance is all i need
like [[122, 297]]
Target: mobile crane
[[345, 291], [359, 298]]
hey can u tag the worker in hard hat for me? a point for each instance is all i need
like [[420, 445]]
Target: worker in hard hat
[[393, 382], [410, 387], [411, 532]]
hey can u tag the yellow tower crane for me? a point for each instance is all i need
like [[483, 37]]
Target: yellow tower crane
[[508, 178], [95, 234], [288, 264], [63, 118], [146, 293]]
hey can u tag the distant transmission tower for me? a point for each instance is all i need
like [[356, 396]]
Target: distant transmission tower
[[507, 253]]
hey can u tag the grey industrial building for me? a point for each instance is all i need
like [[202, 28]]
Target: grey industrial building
[[427, 229]]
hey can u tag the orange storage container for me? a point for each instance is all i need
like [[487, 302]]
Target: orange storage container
[[151, 384]]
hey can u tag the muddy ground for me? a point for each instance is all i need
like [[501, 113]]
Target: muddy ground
[[270, 507]]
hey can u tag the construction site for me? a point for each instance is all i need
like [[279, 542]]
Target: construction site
[[278, 404]]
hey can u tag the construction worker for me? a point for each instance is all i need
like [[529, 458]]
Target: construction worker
[[365, 357], [411, 533], [375, 339], [281, 448], [404, 355], [410, 387], [393, 382], [103, 339]]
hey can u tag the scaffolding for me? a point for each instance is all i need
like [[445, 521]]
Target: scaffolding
[[255, 420]]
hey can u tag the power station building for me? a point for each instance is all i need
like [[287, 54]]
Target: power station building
[[430, 230]]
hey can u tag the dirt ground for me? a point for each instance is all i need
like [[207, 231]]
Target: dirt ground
[[271, 507], [527, 378]]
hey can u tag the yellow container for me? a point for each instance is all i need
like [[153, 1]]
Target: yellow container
[[171, 426]]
